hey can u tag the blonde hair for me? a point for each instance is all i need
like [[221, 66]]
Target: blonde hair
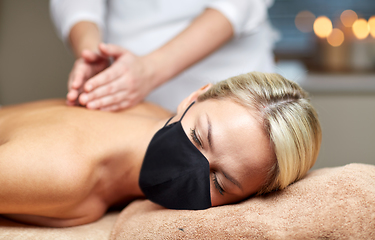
[[288, 118]]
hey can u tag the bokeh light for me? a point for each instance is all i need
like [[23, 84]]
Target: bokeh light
[[348, 17], [371, 24], [336, 38], [322, 26], [304, 21], [361, 28]]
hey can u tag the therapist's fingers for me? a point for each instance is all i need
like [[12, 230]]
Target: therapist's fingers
[[91, 56], [72, 95], [111, 50], [70, 103], [77, 79], [107, 100], [81, 70], [105, 90], [108, 89], [108, 75], [75, 73], [113, 102]]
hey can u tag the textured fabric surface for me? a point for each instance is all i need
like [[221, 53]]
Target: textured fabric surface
[[332, 203], [99, 230]]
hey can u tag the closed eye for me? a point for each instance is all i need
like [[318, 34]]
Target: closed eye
[[193, 135], [217, 185]]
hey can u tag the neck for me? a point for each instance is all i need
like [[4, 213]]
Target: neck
[[120, 183]]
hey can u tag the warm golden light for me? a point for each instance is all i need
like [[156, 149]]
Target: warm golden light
[[361, 28], [371, 24], [348, 17], [322, 26], [304, 21], [336, 38]]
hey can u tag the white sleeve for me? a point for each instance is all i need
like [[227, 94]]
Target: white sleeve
[[244, 15], [66, 13]]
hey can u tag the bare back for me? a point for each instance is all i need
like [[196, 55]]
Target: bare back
[[63, 166]]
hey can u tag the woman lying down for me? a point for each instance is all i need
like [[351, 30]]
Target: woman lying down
[[65, 166]]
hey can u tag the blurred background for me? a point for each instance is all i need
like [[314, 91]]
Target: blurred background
[[327, 46]]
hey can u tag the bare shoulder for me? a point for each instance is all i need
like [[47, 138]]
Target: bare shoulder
[[51, 158], [88, 211], [48, 190], [52, 221]]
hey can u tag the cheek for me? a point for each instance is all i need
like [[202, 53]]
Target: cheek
[[218, 200]]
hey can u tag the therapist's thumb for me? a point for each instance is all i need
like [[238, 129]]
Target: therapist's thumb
[[111, 50], [91, 56]]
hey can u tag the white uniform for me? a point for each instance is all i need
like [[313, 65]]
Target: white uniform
[[142, 26]]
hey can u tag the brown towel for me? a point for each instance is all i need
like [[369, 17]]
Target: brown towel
[[332, 203]]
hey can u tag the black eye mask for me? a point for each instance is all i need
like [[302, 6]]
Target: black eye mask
[[174, 173]]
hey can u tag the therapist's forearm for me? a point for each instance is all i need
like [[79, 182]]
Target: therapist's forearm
[[203, 36], [84, 35]]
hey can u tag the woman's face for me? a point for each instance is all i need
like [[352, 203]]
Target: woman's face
[[233, 141]]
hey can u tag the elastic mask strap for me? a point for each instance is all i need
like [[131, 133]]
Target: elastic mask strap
[[181, 116], [168, 121], [186, 110]]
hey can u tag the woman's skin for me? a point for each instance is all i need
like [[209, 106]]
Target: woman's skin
[[65, 166]]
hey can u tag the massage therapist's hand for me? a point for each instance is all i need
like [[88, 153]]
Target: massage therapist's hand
[[88, 65], [123, 84]]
